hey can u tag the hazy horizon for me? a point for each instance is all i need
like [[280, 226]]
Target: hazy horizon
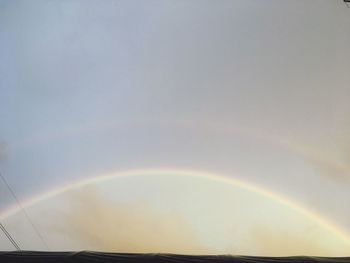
[[256, 91]]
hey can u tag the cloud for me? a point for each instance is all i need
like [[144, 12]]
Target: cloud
[[94, 222], [271, 241], [100, 224]]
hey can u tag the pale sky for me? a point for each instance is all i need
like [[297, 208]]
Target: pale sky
[[253, 90]]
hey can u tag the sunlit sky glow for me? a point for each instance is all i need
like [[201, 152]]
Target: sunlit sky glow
[[255, 92]]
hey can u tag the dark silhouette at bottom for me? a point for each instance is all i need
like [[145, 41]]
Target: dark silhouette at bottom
[[99, 257]]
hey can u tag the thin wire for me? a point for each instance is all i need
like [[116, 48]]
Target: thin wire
[[14, 243], [24, 211]]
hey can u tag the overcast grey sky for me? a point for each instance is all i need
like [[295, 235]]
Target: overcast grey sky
[[256, 89]]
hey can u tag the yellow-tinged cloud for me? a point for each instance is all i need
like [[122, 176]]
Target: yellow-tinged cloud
[[271, 225], [287, 242], [99, 224]]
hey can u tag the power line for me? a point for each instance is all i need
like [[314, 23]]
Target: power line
[[14, 243], [25, 212]]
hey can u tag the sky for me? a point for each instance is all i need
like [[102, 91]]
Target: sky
[[254, 91]]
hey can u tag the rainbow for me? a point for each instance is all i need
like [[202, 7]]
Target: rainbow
[[342, 170], [246, 132], [333, 228]]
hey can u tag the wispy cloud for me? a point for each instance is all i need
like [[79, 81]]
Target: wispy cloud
[[97, 223], [281, 242], [100, 224]]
